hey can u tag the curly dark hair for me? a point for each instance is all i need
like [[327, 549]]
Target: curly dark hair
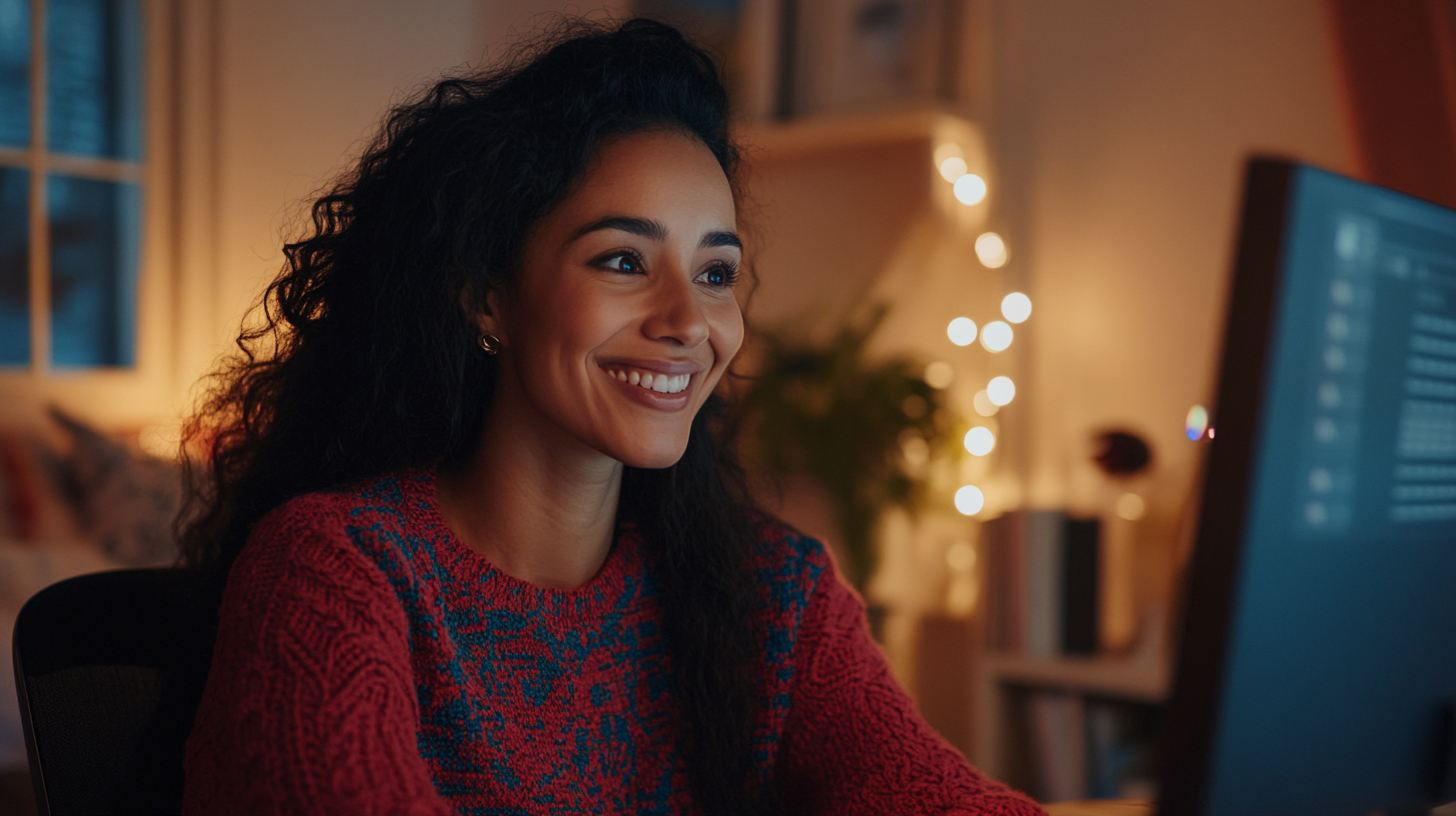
[[364, 359]]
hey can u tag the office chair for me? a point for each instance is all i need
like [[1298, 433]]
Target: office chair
[[109, 669]]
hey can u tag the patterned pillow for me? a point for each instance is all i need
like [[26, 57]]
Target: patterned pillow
[[35, 491], [127, 502]]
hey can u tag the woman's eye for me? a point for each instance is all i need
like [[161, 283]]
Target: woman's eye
[[625, 263], [721, 275]]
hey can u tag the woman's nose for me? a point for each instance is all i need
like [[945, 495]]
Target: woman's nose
[[674, 313]]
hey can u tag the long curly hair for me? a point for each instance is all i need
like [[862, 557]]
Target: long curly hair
[[362, 359]]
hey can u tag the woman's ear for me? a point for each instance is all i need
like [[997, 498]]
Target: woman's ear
[[487, 316]]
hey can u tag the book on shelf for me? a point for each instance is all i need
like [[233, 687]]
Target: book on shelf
[[1040, 583], [1090, 748], [1059, 740], [1120, 748]]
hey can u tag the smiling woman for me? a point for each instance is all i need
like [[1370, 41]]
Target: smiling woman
[[475, 545]]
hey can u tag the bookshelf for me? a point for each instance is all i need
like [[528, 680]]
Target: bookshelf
[[814, 134], [1137, 679], [1003, 681]]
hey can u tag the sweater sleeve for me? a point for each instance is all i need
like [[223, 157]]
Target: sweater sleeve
[[309, 705], [854, 743]]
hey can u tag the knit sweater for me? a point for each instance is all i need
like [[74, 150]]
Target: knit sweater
[[368, 662]]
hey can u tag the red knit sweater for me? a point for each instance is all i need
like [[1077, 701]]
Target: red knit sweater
[[368, 662]]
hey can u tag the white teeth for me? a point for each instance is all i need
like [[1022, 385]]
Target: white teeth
[[661, 383]]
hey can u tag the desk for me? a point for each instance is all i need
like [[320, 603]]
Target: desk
[[1101, 807]]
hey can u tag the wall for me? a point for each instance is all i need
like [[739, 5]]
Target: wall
[[299, 86], [1119, 129]]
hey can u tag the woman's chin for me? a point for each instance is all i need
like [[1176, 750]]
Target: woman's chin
[[651, 458]]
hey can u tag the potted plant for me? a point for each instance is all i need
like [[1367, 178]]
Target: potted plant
[[842, 419]]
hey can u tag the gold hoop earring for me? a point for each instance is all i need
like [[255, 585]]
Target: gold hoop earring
[[490, 344]]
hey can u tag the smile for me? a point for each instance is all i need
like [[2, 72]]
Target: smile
[[661, 383]]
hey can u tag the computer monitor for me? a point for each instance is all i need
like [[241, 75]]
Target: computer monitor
[[1317, 662]]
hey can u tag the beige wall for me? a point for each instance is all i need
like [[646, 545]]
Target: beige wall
[[299, 86], [1119, 128]]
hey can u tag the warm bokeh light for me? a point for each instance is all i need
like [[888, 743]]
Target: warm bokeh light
[[1196, 422], [970, 189], [953, 168], [1016, 307], [980, 441], [914, 448], [983, 404], [960, 556], [969, 500], [948, 150], [996, 336], [991, 249], [939, 374], [1001, 390], [1131, 506], [962, 331]]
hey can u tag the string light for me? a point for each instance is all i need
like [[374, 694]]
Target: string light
[[1001, 390], [996, 336], [969, 500], [947, 150], [953, 168], [1016, 307], [980, 441], [983, 404], [991, 249], [962, 331], [970, 189]]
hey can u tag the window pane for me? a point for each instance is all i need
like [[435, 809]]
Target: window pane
[[95, 242], [14, 267], [15, 73], [94, 78]]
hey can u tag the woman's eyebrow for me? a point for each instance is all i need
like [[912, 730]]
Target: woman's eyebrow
[[647, 228], [637, 226], [720, 239]]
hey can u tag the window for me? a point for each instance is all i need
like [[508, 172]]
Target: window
[[71, 182]]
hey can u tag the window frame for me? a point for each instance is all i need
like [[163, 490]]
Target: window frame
[[177, 76]]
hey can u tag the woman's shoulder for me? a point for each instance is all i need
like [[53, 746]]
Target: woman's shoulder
[[304, 557], [788, 562], [326, 523], [777, 538], [395, 494]]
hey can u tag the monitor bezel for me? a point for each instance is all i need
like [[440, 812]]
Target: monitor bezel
[[1192, 713]]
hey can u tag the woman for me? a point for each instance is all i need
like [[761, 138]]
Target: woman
[[481, 552]]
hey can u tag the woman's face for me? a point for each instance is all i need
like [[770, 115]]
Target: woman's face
[[623, 319]]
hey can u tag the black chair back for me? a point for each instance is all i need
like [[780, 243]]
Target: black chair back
[[109, 669]]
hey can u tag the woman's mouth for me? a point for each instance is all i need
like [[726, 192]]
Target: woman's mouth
[[661, 383]]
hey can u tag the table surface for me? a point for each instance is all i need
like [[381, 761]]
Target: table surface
[[1101, 807]]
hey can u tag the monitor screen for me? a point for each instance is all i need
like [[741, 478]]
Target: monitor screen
[[1318, 655]]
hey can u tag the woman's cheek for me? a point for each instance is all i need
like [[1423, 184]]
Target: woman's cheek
[[727, 327]]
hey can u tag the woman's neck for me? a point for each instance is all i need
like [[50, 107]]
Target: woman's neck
[[537, 505]]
